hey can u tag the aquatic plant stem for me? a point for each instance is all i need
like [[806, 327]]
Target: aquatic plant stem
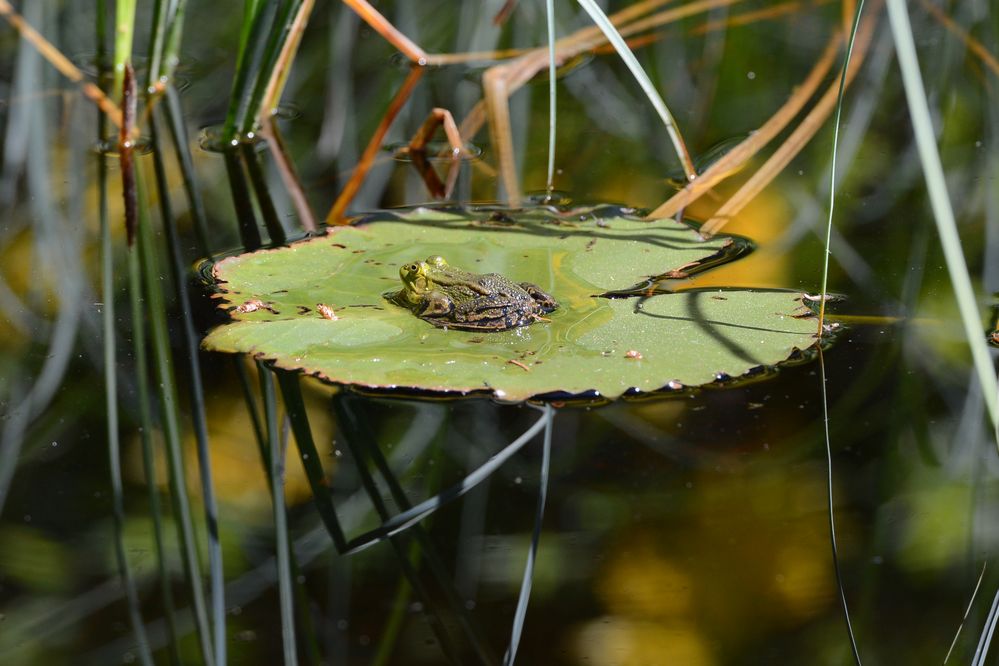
[[967, 612], [525, 585], [336, 214], [943, 213], [124, 30], [282, 541], [355, 425], [402, 521], [163, 365], [383, 27], [61, 63], [257, 15], [832, 167], [614, 37], [261, 190], [157, 43], [178, 272], [796, 141], [282, 65], [822, 309], [358, 442], [141, 362], [171, 52], [291, 392], [111, 376], [730, 162], [550, 16], [196, 205], [286, 169], [829, 497]]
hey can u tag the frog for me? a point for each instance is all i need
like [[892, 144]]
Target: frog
[[452, 298]]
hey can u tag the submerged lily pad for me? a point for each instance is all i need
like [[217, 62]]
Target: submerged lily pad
[[592, 345]]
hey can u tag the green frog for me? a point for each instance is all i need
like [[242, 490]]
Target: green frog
[[449, 297]]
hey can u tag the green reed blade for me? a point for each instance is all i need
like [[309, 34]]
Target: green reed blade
[[257, 19], [157, 42], [550, 18], [251, 9], [283, 545], [406, 519], [196, 392], [359, 445], [263, 195], [943, 213], [279, 34], [167, 393], [182, 149], [246, 219], [148, 455], [295, 406], [624, 52], [822, 309], [354, 422], [111, 375], [832, 170], [171, 52], [251, 405], [532, 554], [124, 30]]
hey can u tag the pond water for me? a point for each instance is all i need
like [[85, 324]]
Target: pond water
[[687, 529]]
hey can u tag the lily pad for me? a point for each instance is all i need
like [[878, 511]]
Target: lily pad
[[593, 345]]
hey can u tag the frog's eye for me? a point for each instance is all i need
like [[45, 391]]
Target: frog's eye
[[412, 267]]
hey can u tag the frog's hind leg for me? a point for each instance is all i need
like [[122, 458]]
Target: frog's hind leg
[[544, 300]]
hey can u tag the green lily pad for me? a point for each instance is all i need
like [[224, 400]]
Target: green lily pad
[[592, 345]]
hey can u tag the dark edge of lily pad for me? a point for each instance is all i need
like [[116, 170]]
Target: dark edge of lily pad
[[592, 398]]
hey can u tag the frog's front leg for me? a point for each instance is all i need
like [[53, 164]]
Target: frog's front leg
[[438, 304], [545, 301]]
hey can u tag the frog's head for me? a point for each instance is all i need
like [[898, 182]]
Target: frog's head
[[418, 277]]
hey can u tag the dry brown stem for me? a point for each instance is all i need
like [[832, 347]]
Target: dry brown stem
[[383, 27], [732, 161], [55, 58], [500, 81], [285, 167], [335, 215], [798, 138], [279, 75], [973, 44]]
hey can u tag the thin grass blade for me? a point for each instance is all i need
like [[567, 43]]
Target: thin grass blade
[[282, 545], [163, 364], [550, 17], [624, 52], [418, 512], [295, 406], [354, 421], [111, 380], [943, 213], [520, 614], [139, 351], [985, 639], [196, 392]]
